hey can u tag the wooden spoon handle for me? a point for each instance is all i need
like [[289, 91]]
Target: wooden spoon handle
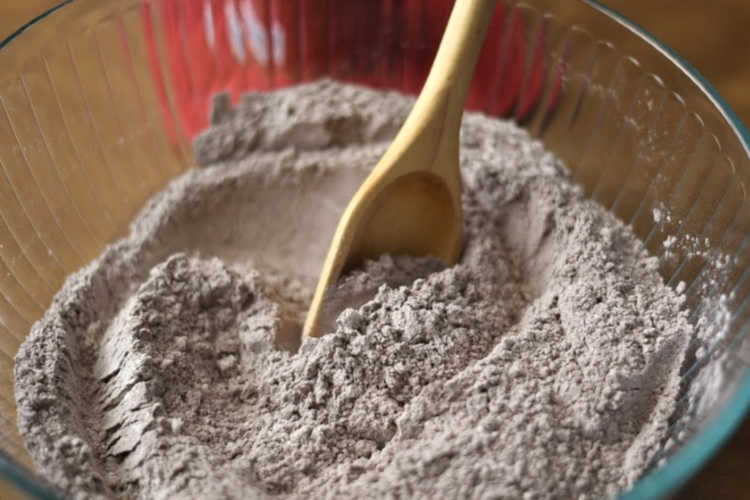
[[411, 201], [453, 67]]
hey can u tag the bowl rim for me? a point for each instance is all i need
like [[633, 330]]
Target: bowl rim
[[680, 468]]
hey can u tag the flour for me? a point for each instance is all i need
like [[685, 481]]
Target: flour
[[543, 365]]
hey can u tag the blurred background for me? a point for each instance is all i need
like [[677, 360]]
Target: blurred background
[[714, 38]]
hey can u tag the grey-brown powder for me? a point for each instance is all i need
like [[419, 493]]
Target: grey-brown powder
[[543, 365]]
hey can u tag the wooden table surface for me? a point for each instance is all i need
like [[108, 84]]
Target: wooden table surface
[[715, 38]]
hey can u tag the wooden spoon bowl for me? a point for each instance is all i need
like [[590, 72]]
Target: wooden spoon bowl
[[411, 202]]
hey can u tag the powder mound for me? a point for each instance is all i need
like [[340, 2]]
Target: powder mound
[[168, 365], [310, 117], [544, 364]]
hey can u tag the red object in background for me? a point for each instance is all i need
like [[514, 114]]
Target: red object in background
[[436, 16], [413, 46], [241, 45], [256, 24], [391, 63], [227, 53], [313, 19], [285, 42], [368, 27], [177, 66], [557, 83], [511, 67], [480, 91], [424, 22], [341, 38], [534, 79], [196, 48]]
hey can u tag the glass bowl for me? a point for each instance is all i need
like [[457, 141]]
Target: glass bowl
[[99, 100]]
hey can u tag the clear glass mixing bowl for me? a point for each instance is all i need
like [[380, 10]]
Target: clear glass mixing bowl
[[99, 99]]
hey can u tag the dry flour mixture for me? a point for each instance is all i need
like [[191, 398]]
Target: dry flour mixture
[[543, 365]]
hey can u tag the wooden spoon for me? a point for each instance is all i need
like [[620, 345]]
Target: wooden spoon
[[411, 202]]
